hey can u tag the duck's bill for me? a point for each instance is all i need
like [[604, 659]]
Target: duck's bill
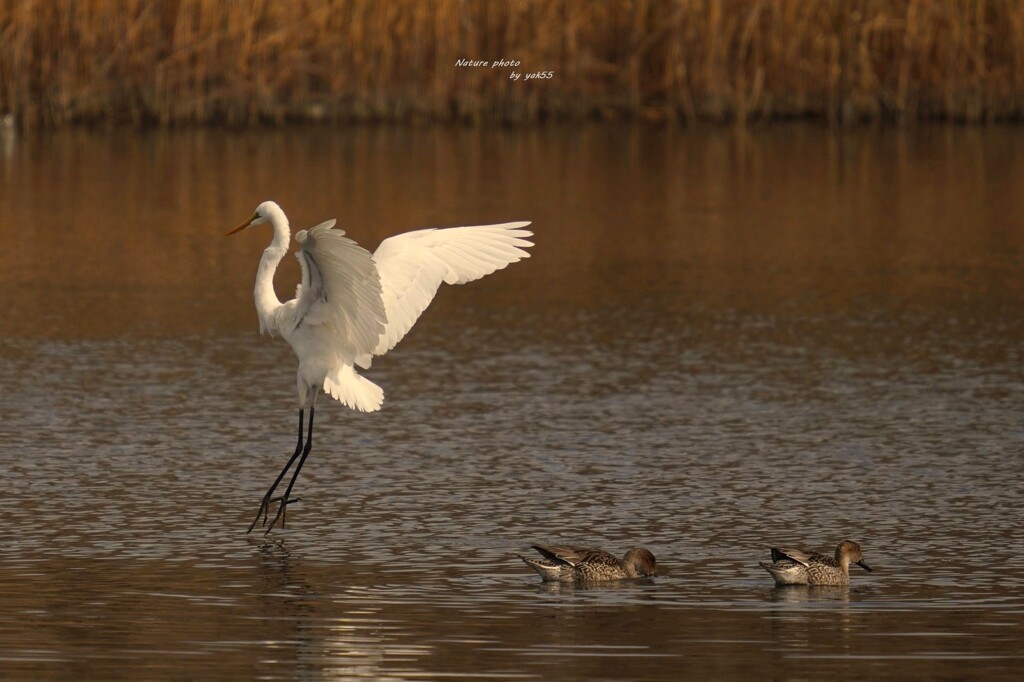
[[863, 564]]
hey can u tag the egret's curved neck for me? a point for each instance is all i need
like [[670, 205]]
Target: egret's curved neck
[[267, 301]]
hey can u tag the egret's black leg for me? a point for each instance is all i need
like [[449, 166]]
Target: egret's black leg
[[265, 504], [286, 499]]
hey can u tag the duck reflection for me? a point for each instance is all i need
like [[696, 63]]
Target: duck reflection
[[809, 594]]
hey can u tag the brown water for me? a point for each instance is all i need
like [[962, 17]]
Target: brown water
[[724, 339]]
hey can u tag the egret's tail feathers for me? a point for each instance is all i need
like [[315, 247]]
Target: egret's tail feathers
[[354, 390]]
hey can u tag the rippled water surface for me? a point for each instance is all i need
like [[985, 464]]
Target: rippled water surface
[[724, 339]]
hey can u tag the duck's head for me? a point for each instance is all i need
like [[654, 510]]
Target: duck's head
[[850, 550], [639, 562]]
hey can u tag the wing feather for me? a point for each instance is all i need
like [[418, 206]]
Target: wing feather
[[795, 555], [340, 289], [413, 265], [577, 555], [565, 555]]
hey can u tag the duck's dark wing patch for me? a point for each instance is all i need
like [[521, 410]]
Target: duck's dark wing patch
[[795, 555]]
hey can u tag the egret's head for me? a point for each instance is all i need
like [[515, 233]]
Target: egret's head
[[259, 216]]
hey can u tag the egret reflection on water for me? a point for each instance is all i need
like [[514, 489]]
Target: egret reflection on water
[[352, 305]]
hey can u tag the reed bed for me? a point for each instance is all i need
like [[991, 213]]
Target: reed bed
[[256, 61]]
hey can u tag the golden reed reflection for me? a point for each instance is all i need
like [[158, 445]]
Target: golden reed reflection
[[119, 233]]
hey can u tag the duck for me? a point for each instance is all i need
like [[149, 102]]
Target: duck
[[796, 567], [578, 564]]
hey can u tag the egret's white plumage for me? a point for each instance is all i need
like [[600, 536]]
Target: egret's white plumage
[[413, 265], [352, 305]]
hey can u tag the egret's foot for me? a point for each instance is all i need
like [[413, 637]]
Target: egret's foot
[[280, 512], [264, 508]]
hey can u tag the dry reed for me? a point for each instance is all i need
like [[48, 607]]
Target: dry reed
[[249, 61]]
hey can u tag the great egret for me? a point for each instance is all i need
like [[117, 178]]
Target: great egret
[[352, 305]]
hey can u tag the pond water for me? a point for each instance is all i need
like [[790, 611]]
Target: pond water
[[724, 339]]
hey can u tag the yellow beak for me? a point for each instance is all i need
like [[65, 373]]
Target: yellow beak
[[239, 228]]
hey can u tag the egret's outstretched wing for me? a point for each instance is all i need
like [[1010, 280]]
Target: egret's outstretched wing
[[340, 289], [413, 265]]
